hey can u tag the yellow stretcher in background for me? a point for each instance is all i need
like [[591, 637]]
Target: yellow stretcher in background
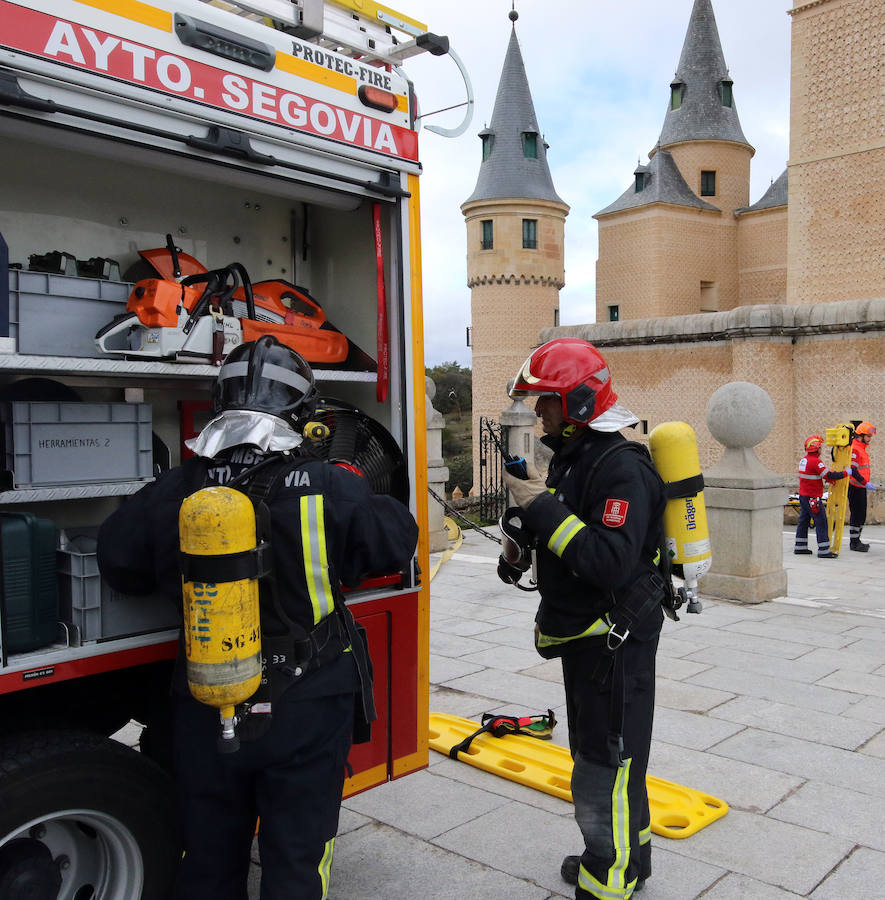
[[676, 811], [839, 439]]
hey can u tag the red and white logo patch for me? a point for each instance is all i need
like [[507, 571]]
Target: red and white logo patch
[[615, 513]]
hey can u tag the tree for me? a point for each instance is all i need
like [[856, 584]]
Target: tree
[[454, 387]]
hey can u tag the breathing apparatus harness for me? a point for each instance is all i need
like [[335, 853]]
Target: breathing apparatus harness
[[289, 651]]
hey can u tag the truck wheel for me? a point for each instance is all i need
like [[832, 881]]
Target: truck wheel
[[83, 818]]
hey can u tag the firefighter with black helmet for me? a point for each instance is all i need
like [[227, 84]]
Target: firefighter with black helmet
[[597, 520], [325, 528]]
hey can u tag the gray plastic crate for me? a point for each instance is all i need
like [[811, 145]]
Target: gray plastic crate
[[63, 443], [59, 315], [100, 613], [79, 593]]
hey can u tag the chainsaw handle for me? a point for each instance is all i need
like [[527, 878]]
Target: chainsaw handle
[[122, 322]]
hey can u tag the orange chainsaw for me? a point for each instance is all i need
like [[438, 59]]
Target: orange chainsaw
[[203, 315]]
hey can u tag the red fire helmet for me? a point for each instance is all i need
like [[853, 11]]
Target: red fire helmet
[[865, 428], [814, 443], [575, 371]]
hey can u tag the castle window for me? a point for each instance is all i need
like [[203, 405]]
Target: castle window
[[556, 318], [677, 92], [614, 314], [709, 296], [708, 184], [530, 144], [488, 141], [488, 234], [469, 336], [642, 179], [726, 95], [529, 234]]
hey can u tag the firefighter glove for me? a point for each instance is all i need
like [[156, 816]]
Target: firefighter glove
[[508, 573], [870, 486], [525, 490]]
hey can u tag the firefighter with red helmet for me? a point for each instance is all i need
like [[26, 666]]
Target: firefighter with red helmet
[[597, 523], [858, 484], [812, 474], [325, 528]]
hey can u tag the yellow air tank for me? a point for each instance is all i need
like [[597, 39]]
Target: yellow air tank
[[839, 439], [222, 626], [674, 450]]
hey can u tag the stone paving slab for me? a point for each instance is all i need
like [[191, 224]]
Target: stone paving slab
[[378, 862], [810, 696], [742, 887], [837, 731], [528, 843], [511, 688], [745, 786], [702, 637], [442, 804], [696, 732], [801, 669], [778, 853], [859, 876], [807, 760], [837, 811]]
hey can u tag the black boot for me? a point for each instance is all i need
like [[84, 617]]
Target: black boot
[[569, 872], [859, 545]]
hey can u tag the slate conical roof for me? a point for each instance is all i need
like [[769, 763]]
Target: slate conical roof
[[662, 183], [775, 196], [507, 171], [702, 115]]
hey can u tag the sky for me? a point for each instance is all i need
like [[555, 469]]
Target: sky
[[599, 74]]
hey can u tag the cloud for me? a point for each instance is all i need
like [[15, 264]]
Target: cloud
[[599, 76]]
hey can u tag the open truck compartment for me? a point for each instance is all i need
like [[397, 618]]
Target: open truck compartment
[[287, 151]]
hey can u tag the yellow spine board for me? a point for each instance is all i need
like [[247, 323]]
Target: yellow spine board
[[222, 625], [839, 438], [676, 811]]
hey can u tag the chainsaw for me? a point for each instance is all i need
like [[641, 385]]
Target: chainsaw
[[204, 315]]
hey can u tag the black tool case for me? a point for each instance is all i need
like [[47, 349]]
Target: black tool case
[[28, 582]]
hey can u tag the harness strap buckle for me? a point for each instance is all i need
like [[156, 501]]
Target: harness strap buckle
[[613, 640]]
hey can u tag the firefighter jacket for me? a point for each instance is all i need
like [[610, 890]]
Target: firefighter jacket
[[860, 464], [812, 474], [326, 528], [594, 539]]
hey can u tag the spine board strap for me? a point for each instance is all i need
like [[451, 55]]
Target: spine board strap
[[539, 726]]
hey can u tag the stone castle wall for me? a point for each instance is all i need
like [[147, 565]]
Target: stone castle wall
[[821, 365], [762, 256]]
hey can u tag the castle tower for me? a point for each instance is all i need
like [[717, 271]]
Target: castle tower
[[837, 154], [515, 235], [669, 244]]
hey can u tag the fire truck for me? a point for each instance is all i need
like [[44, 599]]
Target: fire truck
[[166, 139]]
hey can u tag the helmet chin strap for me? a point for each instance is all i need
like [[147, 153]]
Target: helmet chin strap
[[568, 430]]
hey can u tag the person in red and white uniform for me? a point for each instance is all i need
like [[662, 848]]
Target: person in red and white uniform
[[813, 473]]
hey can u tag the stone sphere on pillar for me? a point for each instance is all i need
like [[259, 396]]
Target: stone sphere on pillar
[[740, 414]]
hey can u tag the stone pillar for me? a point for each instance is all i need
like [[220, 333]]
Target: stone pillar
[[518, 422], [744, 500], [437, 472]]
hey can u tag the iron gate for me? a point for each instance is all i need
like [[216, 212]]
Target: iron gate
[[492, 495]]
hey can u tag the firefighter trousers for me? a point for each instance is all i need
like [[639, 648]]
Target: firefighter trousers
[[820, 526], [857, 510], [291, 778], [611, 802]]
